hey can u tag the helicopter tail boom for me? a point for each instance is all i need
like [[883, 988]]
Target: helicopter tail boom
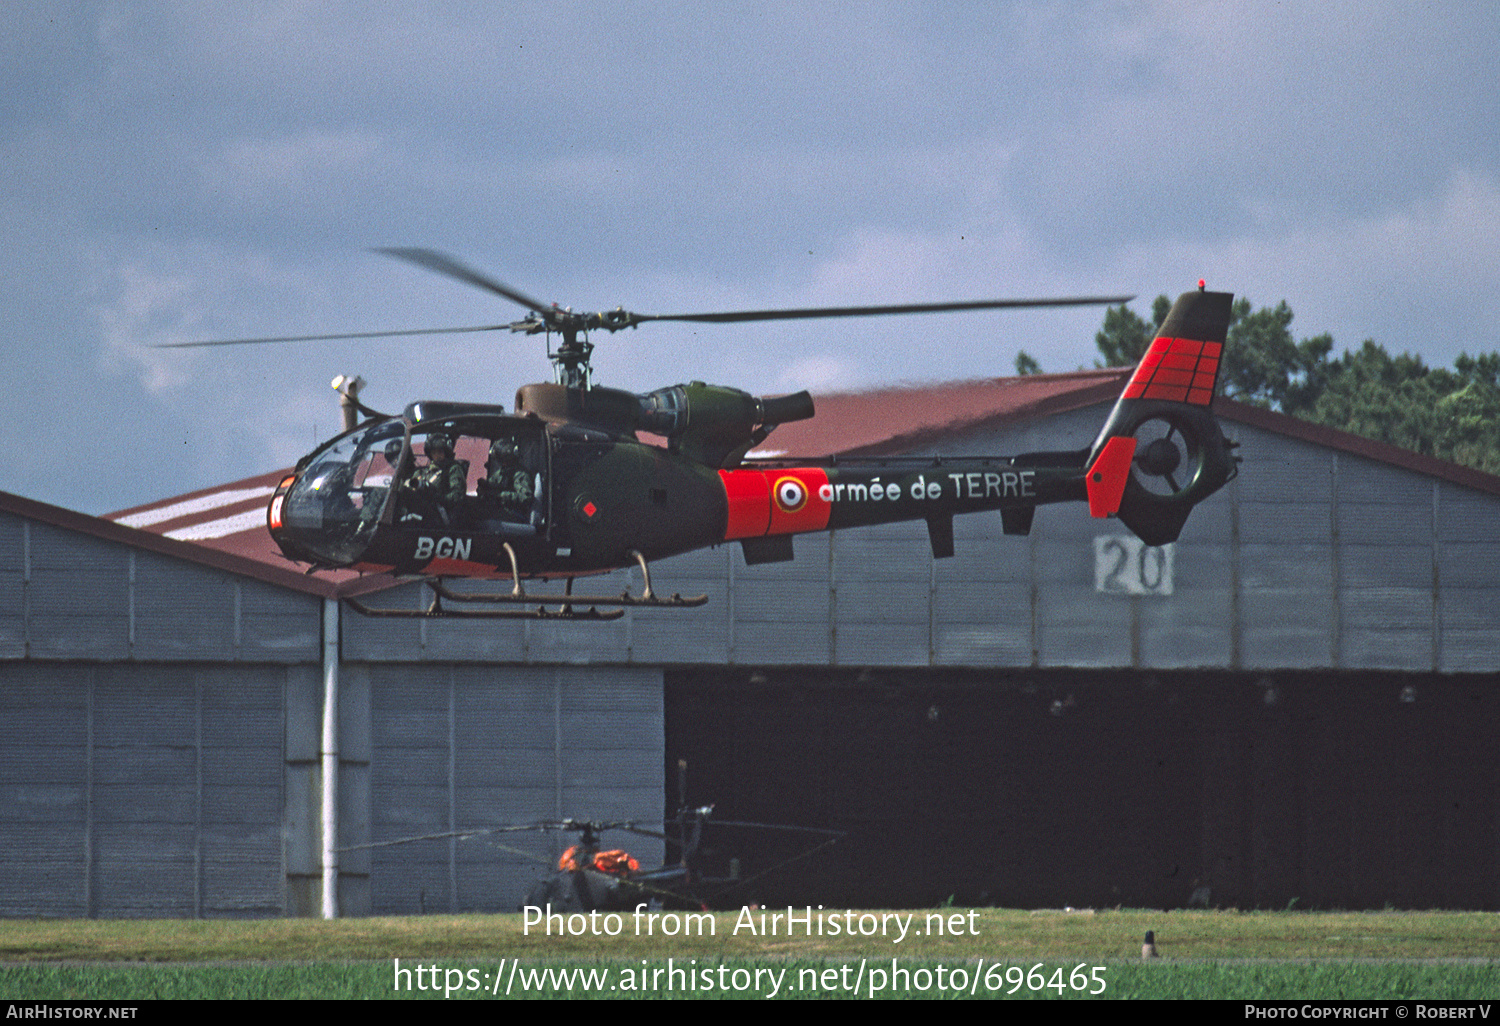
[[1159, 454]]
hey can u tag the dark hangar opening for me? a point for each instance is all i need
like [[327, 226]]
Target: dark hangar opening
[[1098, 788]]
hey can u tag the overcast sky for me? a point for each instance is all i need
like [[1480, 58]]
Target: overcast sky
[[202, 170]]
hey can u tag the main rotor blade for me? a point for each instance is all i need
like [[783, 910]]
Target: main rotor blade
[[330, 338], [477, 832], [872, 311], [788, 828], [444, 264], [540, 826], [555, 319]]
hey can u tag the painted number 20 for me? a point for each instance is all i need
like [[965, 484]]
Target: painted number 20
[[1124, 565]]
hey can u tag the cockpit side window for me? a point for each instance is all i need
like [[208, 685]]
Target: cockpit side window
[[432, 489], [473, 476], [509, 491]]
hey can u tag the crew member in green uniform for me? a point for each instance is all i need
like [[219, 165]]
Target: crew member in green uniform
[[441, 482], [506, 483], [375, 495]]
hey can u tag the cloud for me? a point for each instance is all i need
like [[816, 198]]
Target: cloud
[[261, 170], [146, 303], [1406, 277], [818, 374], [219, 170]]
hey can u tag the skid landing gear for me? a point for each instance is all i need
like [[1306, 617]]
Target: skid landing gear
[[566, 606]]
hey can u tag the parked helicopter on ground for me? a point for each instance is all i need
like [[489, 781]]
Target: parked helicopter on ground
[[563, 486], [589, 877]]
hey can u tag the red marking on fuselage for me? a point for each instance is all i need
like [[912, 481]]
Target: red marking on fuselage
[[783, 501], [1107, 477], [749, 495], [444, 567], [813, 511]]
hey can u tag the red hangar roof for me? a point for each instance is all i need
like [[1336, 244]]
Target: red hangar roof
[[905, 418]]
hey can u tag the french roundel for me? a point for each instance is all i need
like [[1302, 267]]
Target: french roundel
[[790, 493]]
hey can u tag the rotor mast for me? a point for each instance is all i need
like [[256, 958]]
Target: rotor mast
[[570, 361]]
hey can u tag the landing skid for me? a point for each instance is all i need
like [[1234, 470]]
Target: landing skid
[[543, 607]]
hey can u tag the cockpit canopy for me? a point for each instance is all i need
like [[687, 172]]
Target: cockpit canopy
[[380, 476]]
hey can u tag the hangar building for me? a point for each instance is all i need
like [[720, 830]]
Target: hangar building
[[1297, 700]]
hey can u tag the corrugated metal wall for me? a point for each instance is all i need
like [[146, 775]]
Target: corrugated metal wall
[[141, 790], [65, 595], [159, 740], [142, 709], [457, 747]]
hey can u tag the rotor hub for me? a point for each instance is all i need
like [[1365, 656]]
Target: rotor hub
[[1159, 458]]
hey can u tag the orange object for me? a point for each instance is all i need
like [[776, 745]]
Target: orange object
[[617, 861]]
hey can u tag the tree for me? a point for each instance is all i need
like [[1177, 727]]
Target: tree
[[1469, 426], [1373, 394], [1453, 415], [1264, 366], [1125, 336], [1026, 364]]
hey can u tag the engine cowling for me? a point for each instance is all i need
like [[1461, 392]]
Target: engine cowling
[[712, 424], [716, 425]]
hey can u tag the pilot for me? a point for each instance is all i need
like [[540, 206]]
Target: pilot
[[393, 456], [375, 495], [506, 482], [443, 478]]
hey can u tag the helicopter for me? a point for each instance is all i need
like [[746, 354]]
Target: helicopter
[[564, 486], [590, 877]]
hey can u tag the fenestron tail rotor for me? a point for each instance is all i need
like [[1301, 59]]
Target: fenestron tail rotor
[[1168, 456]]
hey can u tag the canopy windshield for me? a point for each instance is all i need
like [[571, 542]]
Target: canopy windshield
[[336, 504]]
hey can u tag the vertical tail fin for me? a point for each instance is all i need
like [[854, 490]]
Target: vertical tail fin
[[1161, 451]]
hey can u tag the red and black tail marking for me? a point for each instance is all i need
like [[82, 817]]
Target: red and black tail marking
[[1178, 370]]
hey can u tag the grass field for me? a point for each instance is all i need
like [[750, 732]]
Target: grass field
[[942, 953]]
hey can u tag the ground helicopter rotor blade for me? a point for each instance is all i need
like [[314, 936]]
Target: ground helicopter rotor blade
[[476, 832], [441, 263], [579, 826], [332, 338], [784, 827]]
